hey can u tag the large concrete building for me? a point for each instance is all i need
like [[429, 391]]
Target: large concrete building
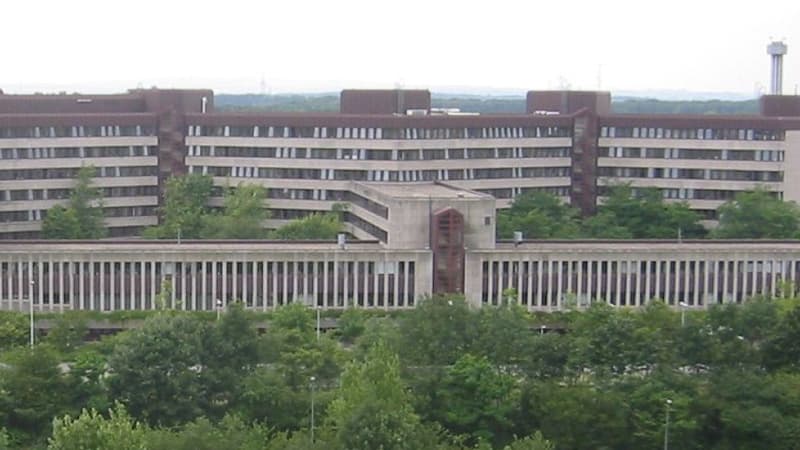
[[567, 143]]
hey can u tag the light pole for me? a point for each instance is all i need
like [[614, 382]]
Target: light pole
[[219, 308], [683, 306], [312, 386], [666, 425], [30, 302]]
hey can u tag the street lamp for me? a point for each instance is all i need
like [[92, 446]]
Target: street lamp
[[683, 305], [541, 329], [219, 308], [312, 386], [666, 425], [30, 302]]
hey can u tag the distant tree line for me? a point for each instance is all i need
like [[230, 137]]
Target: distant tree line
[[480, 104]]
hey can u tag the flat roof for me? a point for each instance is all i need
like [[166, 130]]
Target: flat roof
[[423, 190]]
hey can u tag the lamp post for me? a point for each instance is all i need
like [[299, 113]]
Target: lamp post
[[30, 303], [666, 425], [219, 308], [683, 306], [312, 386]]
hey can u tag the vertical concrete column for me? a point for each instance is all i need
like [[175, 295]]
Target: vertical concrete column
[[235, 280], [385, 281], [397, 298], [214, 292], [490, 282], [500, 275], [142, 285], [520, 269], [746, 275], [638, 283], [667, 281], [60, 284], [774, 286], [726, 277], [550, 287], [697, 285], [618, 283], [570, 287], [628, 274], [560, 285], [92, 281], [264, 284], [539, 269], [735, 281], [609, 291], [424, 275], [50, 282], [529, 282], [224, 294], [275, 284], [102, 275], [406, 283], [285, 282], [153, 279], [295, 279], [590, 280], [39, 278], [335, 287], [111, 283]]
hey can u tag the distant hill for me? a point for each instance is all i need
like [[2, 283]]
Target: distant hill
[[329, 102]]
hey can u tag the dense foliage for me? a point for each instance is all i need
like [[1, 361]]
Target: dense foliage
[[82, 218], [442, 376], [484, 104]]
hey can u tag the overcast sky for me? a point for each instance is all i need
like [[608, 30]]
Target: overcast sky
[[313, 45]]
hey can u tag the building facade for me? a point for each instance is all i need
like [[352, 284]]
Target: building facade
[[567, 143]]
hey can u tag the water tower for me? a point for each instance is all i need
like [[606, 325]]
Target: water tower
[[776, 50]]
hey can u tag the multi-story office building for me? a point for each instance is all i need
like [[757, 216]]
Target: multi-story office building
[[566, 143]]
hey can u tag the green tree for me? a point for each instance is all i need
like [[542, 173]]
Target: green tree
[[67, 333], [242, 217], [91, 431], [157, 370], [758, 214], [185, 206], [35, 391], [373, 409], [312, 226], [538, 215], [83, 217], [642, 214], [477, 400], [438, 331], [13, 329]]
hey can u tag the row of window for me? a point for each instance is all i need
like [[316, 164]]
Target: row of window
[[382, 175], [40, 214], [510, 193], [61, 194], [729, 134], [75, 131], [77, 152], [379, 155], [368, 227], [691, 153], [688, 193], [72, 172], [691, 174], [378, 133]]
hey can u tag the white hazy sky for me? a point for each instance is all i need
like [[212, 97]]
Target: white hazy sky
[[312, 45]]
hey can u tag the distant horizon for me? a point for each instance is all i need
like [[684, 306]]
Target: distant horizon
[[234, 88]]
